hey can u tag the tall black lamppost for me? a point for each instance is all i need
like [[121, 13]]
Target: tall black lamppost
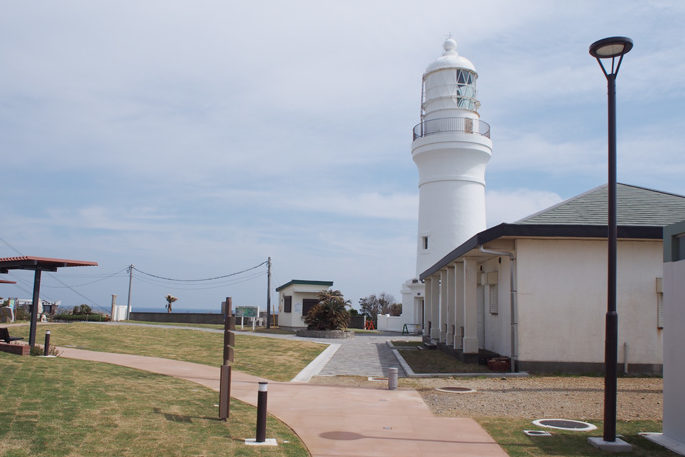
[[613, 48]]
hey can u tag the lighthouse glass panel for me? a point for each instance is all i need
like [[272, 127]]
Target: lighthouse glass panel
[[466, 90]]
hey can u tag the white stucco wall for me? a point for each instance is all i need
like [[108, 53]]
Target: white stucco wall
[[497, 328], [562, 300], [674, 356], [299, 292]]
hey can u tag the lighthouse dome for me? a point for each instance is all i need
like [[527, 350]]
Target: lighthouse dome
[[450, 59]]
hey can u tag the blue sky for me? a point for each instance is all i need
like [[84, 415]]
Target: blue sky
[[194, 139]]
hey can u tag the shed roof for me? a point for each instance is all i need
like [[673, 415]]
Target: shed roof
[[305, 282]]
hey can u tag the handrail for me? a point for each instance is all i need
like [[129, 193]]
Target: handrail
[[451, 124]]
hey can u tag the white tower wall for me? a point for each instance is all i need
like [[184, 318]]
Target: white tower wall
[[451, 149]]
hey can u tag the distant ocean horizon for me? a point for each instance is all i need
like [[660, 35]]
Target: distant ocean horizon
[[161, 309]]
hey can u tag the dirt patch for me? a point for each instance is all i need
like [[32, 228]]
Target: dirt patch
[[579, 398]]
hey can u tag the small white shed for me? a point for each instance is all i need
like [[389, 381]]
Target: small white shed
[[295, 298]]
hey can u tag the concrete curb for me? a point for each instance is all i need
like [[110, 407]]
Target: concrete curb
[[411, 374], [316, 365]]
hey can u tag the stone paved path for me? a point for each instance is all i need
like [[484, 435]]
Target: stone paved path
[[363, 355]]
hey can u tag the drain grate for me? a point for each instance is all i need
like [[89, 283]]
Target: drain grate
[[537, 433], [455, 390], [565, 424]]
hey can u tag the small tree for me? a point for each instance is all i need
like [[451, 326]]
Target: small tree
[[330, 313], [169, 300], [82, 310]]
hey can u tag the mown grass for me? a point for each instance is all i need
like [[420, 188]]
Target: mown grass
[[275, 359], [62, 407], [438, 362], [179, 324], [509, 434], [404, 343]]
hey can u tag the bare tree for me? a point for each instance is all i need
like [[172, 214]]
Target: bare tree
[[374, 305]]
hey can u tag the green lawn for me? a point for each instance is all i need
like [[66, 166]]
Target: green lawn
[[509, 434], [275, 359], [435, 361], [62, 407]]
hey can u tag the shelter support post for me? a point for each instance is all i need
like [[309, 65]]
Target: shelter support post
[[34, 310]]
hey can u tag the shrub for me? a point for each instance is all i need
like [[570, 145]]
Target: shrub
[[83, 309], [330, 313], [81, 317], [21, 314]]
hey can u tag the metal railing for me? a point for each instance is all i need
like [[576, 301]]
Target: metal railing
[[451, 124]]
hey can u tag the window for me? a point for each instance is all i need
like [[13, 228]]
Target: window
[[424, 242], [492, 294], [287, 303], [307, 304]]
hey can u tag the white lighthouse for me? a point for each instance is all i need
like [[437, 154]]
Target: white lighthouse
[[451, 148]]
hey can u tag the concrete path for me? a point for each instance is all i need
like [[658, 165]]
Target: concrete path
[[333, 420], [363, 355]]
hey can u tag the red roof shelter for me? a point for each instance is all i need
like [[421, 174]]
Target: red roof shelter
[[38, 265]]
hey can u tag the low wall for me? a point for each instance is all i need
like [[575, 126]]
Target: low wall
[[183, 318], [396, 324], [357, 322]]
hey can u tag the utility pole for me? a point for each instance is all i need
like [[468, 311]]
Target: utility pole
[[268, 293], [130, 281]]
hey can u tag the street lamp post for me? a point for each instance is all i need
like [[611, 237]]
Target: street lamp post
[[613, 48]]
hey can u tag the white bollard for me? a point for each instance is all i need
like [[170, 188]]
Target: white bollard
[[392, 378]]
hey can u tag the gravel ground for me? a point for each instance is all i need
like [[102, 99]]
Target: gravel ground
[[580, 398]]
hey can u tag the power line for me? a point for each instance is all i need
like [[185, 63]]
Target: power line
[[200, 280], [11, 247], [90, 282]]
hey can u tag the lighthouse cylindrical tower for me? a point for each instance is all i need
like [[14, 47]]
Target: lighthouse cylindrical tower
[[451, 148]]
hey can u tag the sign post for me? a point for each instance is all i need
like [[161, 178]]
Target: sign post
[[225, 375]]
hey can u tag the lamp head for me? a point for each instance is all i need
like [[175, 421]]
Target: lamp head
[[611, 47]]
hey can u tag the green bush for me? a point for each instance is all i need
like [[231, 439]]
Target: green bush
[[21, 314], [82, 309], [330, 313], [81, 317]]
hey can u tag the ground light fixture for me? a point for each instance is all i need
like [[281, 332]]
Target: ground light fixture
[[611, 51]]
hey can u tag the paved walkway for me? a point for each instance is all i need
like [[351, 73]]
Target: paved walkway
[[333, 420], [363, 355]]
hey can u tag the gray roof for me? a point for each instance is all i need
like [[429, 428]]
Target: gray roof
[[636, 206]]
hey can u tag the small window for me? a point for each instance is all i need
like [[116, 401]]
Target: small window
[[492, 296], [424, 242], [287, 304]]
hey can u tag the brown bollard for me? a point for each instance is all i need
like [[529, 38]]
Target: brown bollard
[[261, 412], [46, 348]]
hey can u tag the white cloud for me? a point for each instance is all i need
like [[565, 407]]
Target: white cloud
[[514, 204]]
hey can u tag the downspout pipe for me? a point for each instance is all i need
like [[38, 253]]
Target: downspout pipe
[[513, 302]]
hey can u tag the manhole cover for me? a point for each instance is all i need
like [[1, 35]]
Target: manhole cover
[[455, 390], [565, 424]]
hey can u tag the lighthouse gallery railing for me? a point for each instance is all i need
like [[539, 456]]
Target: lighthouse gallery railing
[[451, 124]]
